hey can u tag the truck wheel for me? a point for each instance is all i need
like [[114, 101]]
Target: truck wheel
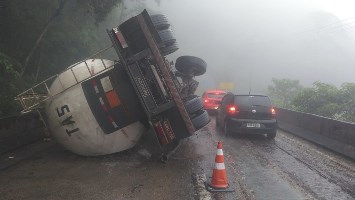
[[169, 49], [167, 37], [185, 99], [186, 64], [201, 120], [193, 105], [160, 21]]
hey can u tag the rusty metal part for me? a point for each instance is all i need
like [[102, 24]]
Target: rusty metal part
[[164, 69]]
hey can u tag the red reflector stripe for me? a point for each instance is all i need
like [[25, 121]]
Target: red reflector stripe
[[101, 101], [121, 39], [110, 118], [95, 86], [114, 124], [160, 133], [113, 99], [96, 89], [104, 107]]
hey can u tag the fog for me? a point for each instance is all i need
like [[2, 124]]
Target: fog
[[248, 42]]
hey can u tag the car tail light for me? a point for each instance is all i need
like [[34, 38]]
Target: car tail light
[[232, 109], [273, 112], [206, 100]]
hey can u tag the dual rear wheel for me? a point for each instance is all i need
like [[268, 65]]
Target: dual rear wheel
[[194, 107], [168, 43]]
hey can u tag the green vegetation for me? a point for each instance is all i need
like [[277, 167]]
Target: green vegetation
[[283, 91], [9, 76], [40, 38], [320, 99]]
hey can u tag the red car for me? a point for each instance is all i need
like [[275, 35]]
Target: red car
[[212, 99]]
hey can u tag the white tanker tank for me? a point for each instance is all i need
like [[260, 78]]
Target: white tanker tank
[[93, 117]]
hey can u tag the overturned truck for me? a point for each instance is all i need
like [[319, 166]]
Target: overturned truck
[[98, 106]]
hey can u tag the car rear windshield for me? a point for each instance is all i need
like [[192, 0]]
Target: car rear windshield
[[253, 100], [216, 95]]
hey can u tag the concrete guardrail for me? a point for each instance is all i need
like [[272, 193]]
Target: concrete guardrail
[[19, 130], [336, 135]]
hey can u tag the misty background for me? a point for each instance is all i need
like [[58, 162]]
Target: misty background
[[299, 52], [248, 42]]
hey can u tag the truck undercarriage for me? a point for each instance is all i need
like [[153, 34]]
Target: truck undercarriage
[[166, 104]]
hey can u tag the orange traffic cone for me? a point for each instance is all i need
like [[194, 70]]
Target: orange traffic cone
[[219, 181]]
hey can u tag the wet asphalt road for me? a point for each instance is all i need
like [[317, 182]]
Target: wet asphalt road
[[286, 168]]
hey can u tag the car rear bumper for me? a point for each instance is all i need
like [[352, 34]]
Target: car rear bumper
[[243, 125]]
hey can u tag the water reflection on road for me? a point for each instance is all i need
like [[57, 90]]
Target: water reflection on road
[[285, 168]]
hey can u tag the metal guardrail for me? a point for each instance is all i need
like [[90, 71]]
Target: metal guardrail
[[33, 98]]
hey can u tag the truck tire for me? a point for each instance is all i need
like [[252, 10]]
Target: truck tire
[[169, 49], [189, 97], [186, 64], [201, 120], [160, 22], [193, 105], [167, 37]]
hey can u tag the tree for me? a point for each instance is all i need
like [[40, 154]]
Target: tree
[[320, 99], [282, 91], [9, 86], [26, 26], [347, 94], [42, 33], [40, 38]]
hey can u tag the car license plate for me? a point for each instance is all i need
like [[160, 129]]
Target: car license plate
[[253, 125]]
